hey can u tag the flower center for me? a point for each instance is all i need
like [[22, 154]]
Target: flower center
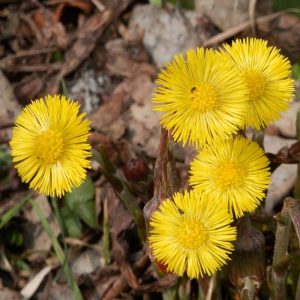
[[256, 83], [203, 97], [191, 234], [49, 146], [229, 175]]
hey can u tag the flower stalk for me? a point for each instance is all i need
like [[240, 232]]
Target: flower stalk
[[121, 189], [165, 180], [249, 289], [297, 185], [247, 268], [281, 258]]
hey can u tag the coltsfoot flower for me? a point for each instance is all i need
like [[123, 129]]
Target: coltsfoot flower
[[266, 74], [49, 145], [234, 172], [189, 233], [202, 97]]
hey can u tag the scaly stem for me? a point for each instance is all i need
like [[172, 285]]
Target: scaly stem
[[293, 209], [281, 258], [298, 288], [122, 190], [249, 289], [58, 250], [297, 185]]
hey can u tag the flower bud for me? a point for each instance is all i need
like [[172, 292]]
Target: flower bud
[[135, 170]]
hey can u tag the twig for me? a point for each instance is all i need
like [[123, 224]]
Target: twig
[[33, 27], [30, 52], [211, 287], [30, 68], [235, 30], [80, 243], [99, 5], [251, 12]]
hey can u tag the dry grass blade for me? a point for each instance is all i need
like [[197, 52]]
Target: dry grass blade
[[251, 11], [31, 287]]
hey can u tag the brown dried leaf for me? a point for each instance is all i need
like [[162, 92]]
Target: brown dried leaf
[[52, 31], [8, 294], [283, 32], [121, 61], [107, 118], [9, 107], [36, 238], [29, 88]]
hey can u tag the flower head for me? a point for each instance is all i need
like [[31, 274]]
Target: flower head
[[191, 234], [266, 74], [234, 173], [49, 145], [201, 97]]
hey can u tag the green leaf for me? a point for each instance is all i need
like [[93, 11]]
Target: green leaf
[[5, 164], [72, 223], [286, 4], [12, 212], [296, 72], [186, 4], [156, 2], [88, 214], [81, 202], [22, 265]]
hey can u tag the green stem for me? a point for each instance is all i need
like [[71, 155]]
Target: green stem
[[122, 190], [64, 88], [61, 225], [298, 288], [106, 243], [13, 211], [58, 250]]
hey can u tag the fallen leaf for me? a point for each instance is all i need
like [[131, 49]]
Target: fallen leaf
[[9, 107], [37, 239]]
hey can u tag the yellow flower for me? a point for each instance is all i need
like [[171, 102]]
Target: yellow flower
[[49, 145], [266, 74], [191, 234], [235, 173], [202, 98]]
